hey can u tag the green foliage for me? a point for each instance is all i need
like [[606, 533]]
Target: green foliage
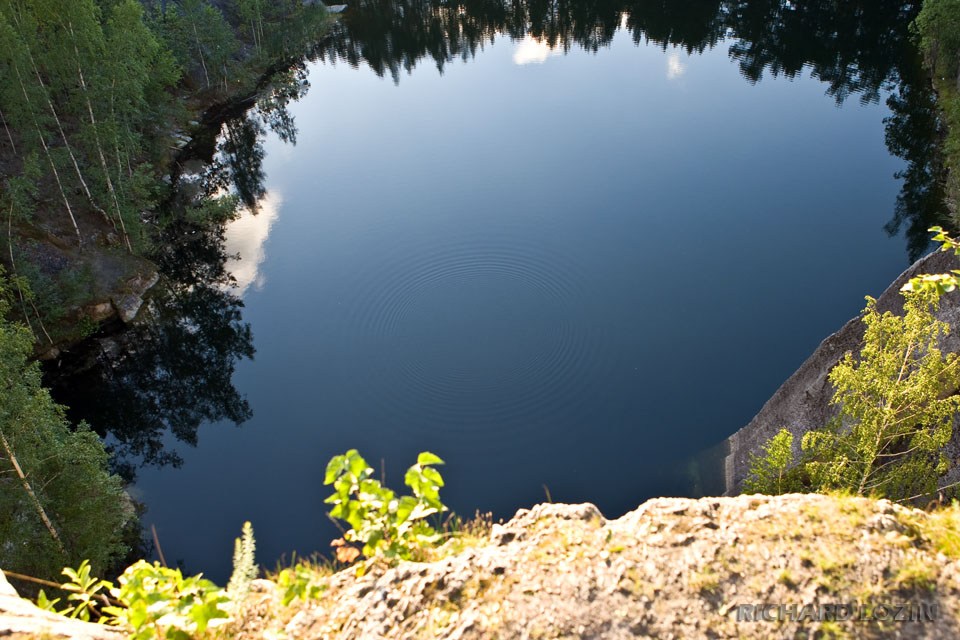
[[85, 90], [937, 283], [897, 401], [768, 472], [244, 568], [85, 592], [941, 527], [45, 603], [895, 416], [65, 469], [83, 86], [158, 602], [53, 294], [150, 602], [300, 582], [938, 24], [894, 420], [217, 210], [201, 40], [384, 524]]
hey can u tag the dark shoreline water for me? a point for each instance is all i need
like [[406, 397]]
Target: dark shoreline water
[[564, 270]]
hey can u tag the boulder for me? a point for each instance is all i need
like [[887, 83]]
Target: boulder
[[128, 304], [20, 618]]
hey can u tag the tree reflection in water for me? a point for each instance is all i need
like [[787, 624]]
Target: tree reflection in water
[[858, 49], [157, 382]]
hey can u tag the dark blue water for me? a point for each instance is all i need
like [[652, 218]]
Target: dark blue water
[[560, 271]]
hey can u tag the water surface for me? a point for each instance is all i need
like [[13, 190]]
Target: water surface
[[565, 250]]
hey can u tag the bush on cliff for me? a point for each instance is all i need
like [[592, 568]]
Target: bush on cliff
[[897, 401]]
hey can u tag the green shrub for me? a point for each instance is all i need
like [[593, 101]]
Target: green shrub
[[159, 602], [384, 524], [938, 24], [895, 417], [150, 602], [769, 472], [302, 581], [897, 401]]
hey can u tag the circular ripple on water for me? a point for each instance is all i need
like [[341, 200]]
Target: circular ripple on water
[[477, 339]]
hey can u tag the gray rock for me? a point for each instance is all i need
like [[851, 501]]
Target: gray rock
[[50, 354], [6, 589], [673, 568], [20, 618], [127, 306]]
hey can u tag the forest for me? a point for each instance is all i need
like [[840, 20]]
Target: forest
[[97, 97]]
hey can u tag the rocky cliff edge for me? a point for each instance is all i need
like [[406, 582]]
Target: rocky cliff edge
[[742, 567]]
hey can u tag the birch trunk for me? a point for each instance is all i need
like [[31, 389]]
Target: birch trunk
[[96, 138], [53, 165], [33, 496]]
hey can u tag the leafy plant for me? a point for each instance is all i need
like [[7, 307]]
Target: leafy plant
[[61, 505], [937, 283], [85, 592], [158, 602], [383, 523], [897, 401], [45, 603], [938, 24], [151, 601], [301, 581]]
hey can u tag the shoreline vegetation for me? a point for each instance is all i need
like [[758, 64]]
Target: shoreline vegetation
[[90, 148], [98, 98]]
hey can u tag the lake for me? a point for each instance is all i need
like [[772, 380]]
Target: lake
[[565, 246]]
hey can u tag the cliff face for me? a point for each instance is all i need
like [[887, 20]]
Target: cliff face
[[744, 567], [802, 403]]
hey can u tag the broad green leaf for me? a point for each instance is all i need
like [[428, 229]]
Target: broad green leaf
[[334, 467], [433, 476], [413, 478], [426, 458], [405, 507], [358, 466]]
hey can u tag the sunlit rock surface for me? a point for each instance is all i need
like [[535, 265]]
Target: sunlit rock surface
[[673, 568], [743, 567], [20, 619]]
